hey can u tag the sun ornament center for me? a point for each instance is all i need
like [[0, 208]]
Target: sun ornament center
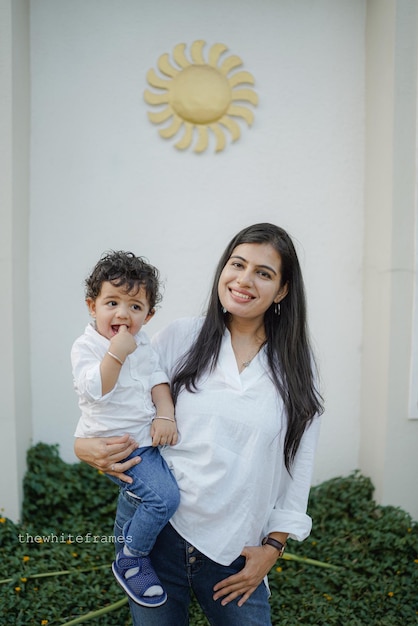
[[200, 94]]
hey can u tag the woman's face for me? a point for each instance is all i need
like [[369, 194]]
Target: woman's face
[[251, 280]]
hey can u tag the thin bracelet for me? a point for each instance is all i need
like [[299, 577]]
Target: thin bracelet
[[161, 417], [115, 357]]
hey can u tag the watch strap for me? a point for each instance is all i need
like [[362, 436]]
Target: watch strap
[[275, 544]]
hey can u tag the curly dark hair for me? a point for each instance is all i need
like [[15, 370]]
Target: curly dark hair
[[124, 269]]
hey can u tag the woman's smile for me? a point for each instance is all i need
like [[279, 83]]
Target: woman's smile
[[241, 295]]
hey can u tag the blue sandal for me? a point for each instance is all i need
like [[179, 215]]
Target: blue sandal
[[135, 586]]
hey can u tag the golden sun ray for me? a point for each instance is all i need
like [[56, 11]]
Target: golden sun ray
[[203, 140], [241, 77], [179, 56], [242, 112], [200, 96], [196, 52], [230, 64], [165, 66], [215, 52], [232, 126], [156, 81], [187, 138], [160, 116], [245, 94], [174, 127], [220, 137], [155, 98]]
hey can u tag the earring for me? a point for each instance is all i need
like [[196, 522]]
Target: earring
[[277, 308], [224, 310]]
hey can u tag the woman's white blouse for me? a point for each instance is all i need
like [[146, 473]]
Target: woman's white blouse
[[228, 463]]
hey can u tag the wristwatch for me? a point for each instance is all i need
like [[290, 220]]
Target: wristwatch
[[281, 547]]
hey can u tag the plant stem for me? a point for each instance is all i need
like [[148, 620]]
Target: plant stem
[[57, 573], [303, 559], [98, 613]]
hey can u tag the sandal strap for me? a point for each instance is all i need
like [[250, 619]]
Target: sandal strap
[[145, 578]]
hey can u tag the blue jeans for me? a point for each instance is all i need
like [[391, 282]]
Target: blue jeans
[[155, 489], [182, 569]]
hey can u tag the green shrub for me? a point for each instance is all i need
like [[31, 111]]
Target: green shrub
[[67, 524], [59, 494], [374, 547]]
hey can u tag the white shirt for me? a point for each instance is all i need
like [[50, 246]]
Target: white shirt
[[229, 462], [128, 407]]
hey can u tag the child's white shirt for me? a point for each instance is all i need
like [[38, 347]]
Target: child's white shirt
[[128, 407]]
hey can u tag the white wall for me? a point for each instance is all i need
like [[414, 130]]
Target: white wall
[[101, 177]]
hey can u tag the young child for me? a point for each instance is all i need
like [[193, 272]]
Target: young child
[[122, 390]]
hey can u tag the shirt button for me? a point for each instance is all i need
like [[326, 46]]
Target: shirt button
[[190, 549], [192, 559]]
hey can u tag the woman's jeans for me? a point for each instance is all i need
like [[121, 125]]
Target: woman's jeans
[[182, 569], [155, 488]]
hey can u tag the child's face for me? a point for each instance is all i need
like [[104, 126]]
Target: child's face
[[114, 307]]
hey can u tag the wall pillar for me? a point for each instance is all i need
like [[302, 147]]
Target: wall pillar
[[389, 439], [15, 411]]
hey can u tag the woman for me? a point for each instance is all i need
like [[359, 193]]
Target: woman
[[247, 410]]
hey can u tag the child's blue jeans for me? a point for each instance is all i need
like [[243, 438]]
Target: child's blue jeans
[[156, 490]]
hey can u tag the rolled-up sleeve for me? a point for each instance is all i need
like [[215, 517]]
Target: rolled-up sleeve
[[86, 373], [289, 512]]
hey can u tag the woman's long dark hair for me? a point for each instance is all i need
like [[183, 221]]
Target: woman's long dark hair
[[289, 354]]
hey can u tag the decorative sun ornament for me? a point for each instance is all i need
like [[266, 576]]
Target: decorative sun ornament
[[200, 95]]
